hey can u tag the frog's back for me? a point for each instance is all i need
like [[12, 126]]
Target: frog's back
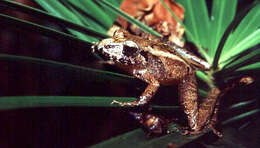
[[165, 69]]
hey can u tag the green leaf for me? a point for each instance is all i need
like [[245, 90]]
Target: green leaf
[[190, 33], [129, 18], [93, 74], [242, 104], [249, 24], [241, 116], [23, 24], [205, 78], [197, 21], [222, 14], [138, 139], [202, 93], [17, 102], [244, 125], [45, 16], [245, 58], [251, 40], [227, 35], [58, 9], [255, 66], [84, 18], [165, 108], [95, 11]]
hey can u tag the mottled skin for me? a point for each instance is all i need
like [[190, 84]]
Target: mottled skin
[[158, 64]]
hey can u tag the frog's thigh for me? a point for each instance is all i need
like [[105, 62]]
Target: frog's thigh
[[188, 97], [198, 114]]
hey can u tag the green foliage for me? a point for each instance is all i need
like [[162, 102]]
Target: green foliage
[[227, 39], [138, 139], [17, 102], [91, 74]]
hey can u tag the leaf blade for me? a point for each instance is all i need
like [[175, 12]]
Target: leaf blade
[[197, 24], [251, 40], [249, 24], [18, 102], [220, 22], [46, 16], [58, 9], [93, 74], [139, 140], [15, 22], [241, 116]]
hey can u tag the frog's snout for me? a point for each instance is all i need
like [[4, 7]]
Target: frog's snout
[[104, 43], [94, 47], [99, 46]]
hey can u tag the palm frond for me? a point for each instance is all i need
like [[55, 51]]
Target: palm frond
[[48, 17], [220, 21], [92, 74], [18, 102], [247, 29], [241, 116], [47, 31], [197, 24]]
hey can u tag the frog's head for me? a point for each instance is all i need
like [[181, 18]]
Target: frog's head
[[117, 48]]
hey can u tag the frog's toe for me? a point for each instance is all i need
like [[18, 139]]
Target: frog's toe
[[134, 103], [130, 104], [215, 131], [155, 125], [118, 102], [201, 131]]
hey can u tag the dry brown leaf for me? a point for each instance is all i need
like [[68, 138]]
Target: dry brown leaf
[[153, 14]]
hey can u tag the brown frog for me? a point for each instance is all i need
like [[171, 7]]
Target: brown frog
[[158, 63]]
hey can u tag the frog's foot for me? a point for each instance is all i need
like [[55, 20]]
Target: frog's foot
[[204, 130], [215, 131], [191, 132], [131, 104], [152, 124]]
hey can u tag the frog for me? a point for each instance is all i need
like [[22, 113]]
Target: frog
[[162, 63]]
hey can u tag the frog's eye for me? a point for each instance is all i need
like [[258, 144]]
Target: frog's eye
[[130, 49], [109, 46]]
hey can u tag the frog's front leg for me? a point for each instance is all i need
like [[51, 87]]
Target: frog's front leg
[[198, 114], [146, 96]]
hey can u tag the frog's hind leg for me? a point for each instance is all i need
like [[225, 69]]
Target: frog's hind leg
[[199, 114], [208, 110], [188, 97], [213, 121]]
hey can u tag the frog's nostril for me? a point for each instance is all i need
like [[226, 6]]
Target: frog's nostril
[[93, 48], [109, 46]]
